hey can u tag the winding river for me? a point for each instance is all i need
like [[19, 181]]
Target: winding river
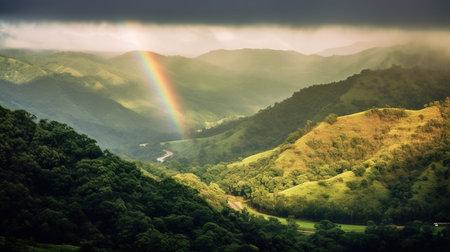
[[162, 158]]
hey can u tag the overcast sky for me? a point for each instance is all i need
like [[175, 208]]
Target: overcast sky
[[192, 27]]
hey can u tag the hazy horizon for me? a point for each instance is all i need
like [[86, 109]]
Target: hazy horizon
[[193, 40]]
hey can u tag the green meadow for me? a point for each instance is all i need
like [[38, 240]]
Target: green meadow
[[304, 224]]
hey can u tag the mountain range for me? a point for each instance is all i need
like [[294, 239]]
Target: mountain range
[[213, 88]]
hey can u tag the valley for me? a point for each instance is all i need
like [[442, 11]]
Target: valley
[[350, 169], [225, 126], [304, 226], [212, 90]]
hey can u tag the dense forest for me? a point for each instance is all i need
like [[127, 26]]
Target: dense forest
[[59, 187]]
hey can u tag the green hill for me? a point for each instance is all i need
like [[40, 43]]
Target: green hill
[[18, 71], [396, 87], [381, 163], [64, 98]]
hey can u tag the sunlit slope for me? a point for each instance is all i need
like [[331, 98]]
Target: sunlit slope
[[381, 162], [397, 87], [18, 71], [357, 137]]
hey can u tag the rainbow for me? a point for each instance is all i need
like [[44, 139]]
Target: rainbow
[[158, 81], [164, 89]]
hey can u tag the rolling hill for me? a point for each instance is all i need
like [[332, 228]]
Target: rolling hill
[[395, 87], [381, 163]]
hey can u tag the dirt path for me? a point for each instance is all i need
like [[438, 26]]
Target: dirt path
[[236, 205]]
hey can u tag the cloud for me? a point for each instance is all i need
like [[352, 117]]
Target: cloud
[[193, 40], [398, 13]]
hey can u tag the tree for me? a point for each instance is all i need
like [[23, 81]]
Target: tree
[[331, 118]]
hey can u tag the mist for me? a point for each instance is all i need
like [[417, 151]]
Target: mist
[[192, 40]]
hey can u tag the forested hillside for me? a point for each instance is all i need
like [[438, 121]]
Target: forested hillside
[[59, 187], [395, 87], [64, 98], [382, 163]]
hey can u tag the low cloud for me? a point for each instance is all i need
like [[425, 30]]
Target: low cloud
[[193, 40]]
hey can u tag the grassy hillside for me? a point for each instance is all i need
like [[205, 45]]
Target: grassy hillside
[[396, 87], [369, 165]]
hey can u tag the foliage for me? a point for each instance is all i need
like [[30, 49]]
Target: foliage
[[387, 114], [331, 118], [211, 193]]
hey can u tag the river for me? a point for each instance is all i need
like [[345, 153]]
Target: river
[[162, 158]]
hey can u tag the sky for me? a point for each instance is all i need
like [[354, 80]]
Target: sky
[[190, 28]]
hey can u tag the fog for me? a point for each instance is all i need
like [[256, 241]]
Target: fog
[[193, 40]]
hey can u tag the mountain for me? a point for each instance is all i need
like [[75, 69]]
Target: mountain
[[349, 49], [213, 88], [381, 163], [63, 97], [217, 85], [395, 87]]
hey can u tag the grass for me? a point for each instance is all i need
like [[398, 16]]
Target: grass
[[304, 224], [344, 188]]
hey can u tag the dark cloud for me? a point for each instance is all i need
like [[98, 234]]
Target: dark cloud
[[401, 13]]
